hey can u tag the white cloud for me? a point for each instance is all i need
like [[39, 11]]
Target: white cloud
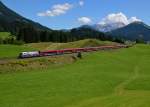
[[81, 2], [118, 18], [84, 20], [57, 10]]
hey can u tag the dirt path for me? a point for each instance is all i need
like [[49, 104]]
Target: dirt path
[[120, 89]]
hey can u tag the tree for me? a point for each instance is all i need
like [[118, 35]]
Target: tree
[[79, 55], [139, 40], [1, 41]]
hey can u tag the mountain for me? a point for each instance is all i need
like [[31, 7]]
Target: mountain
[[108, 27], [11, 21], [86, 31], [105, 27], [133, 31]]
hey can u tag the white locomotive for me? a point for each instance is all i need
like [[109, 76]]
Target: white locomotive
[[29, 54]]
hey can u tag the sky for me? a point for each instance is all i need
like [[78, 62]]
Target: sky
[[66, 14]]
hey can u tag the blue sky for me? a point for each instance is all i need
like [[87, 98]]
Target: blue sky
[[64, 14]]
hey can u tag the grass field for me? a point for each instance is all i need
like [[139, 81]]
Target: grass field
[[9, 51], [4, 35], [117, 78], [76, 44]]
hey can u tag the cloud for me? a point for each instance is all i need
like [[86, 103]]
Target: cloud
[[118, 18], [84, 20], [57, 10], [81, 2]]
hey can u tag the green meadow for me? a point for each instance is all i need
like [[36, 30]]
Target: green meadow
[[115, 78], [12, 51], [4, 35]]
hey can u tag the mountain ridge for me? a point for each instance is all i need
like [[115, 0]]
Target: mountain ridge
[[108, 27], [133, 31], [10, 20]]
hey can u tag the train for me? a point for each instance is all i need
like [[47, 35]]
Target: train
[[68, 51]]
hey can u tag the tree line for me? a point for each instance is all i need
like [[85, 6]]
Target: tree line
[[26, 33], [31, 35]]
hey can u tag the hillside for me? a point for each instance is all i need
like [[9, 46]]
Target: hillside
[[11, 21], [101, 79], [76, 44], [97, 53], [4, 35], [133, 31], [7, 38]]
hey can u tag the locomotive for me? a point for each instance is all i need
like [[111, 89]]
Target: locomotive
[[29, 54], [67, 51]]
